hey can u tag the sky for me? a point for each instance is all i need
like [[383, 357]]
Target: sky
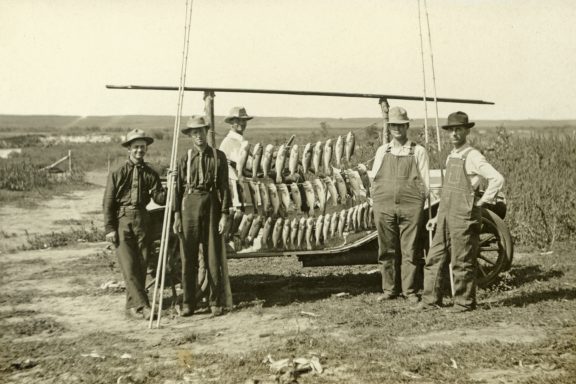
[[58, 55]]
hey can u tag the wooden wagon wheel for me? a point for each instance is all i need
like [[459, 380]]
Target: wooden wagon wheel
[[496, 248]]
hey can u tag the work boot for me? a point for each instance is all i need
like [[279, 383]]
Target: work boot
[[460, 308], [216, 311], [134, 313], [412, 299], [146, 313], [187, 310], [388, 296], [425, 307]]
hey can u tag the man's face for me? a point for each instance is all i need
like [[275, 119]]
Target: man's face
[[458, 135], [198, 136], [239, 126], [138, 149], [399, 131]]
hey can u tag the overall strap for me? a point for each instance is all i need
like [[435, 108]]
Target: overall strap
[[412, 148], [215, 152]]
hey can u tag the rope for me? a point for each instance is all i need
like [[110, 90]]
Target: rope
[[171, 176]]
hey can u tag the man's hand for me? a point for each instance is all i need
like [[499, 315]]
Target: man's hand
[[362, 168], [222, 224], [177, 226], [431, 224], [112, 237]]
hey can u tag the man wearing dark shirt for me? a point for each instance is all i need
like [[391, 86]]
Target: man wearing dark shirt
[[126, 220], [202, 202]]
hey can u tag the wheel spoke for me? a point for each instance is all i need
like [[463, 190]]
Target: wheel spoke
[[482, 270], [487, 239], [489, 249], [486, 259]]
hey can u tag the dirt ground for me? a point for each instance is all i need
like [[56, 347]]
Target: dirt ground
[[60, 324]]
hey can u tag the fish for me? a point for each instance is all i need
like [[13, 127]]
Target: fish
[[326, 227], [310, 196], [364, 178], [293, 161], [327, 157], [254, 229], [296, 197], [358, 219], [255, 190], [266, 232], [257, 152], [267, 160], [341, 187], [342, 222], [294, 232], [349, 146], [332, 192], [334, 224], [236, 220], [338, 151], [245, 226], [274, 198], [309, 232], [371, 222], [365, 217], [355, 184], [277, 232], [244, 153], [317, 157], [286, 234], [306, 157], [350, 220], [284, 196], [244, 188], [264, 197], [301, 232], [318, 230], [280, 161], [321, 193]]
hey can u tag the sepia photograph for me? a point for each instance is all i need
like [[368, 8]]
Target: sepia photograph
[[288, 191]]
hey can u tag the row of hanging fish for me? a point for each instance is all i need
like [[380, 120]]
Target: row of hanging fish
[[300, 232], [269, 197], [317, 158]]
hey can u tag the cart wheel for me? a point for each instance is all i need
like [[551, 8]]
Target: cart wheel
[[495, 250]]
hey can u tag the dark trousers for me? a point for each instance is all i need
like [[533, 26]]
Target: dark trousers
[[400, 252], [200, 216], [132, 250]]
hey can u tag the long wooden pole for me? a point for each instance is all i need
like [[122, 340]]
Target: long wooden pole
[[385, 108], [299, 93]]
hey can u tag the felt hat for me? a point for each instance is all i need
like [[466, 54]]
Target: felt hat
[[195, 122], [136, 134], [458, 119], [398, 115], [237, 113]]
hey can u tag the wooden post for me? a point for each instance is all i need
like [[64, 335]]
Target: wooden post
[[70, 162], [385, 108], [209, 109]]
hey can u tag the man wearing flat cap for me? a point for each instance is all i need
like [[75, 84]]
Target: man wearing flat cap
[[202, 203], [400, 185], [457, 234], [128, 191], [231, 144]]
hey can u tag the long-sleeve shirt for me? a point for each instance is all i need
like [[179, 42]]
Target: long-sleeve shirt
[[118, 191], [208, 171], [420, 155], [479, 169], [230, 145]]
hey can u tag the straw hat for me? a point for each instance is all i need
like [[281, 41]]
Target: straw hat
[[135, 135], [195, 122], [398, 115], [458, 119], [237, 113]]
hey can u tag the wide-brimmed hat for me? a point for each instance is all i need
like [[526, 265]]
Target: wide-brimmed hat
[[458, 119], [195, 122], [237, 113], [136, 134], [398, 115]]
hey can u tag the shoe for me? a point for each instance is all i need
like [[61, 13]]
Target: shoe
[[460, 308], [187, 310], [216, 311], [134, 313], [413, 299], [424, 307], [147, 313], [388, 296]]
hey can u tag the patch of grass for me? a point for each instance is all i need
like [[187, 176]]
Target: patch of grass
[[78, 234], [33, 326], [19, 297]]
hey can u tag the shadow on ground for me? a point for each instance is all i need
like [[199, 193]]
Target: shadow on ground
[[526, 298]]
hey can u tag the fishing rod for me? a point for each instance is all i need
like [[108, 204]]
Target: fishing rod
[[299, 93]]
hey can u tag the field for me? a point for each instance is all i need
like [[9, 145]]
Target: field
[[62, 323]]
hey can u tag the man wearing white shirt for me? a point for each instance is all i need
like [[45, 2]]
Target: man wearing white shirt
[[400, 185], [238, 120], [458, 219]]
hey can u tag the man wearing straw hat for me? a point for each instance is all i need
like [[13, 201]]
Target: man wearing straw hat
[[399, 188], [231, 144], [202, 203], [128, 191], [457, 234]]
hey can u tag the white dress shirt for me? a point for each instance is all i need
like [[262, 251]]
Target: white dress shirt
[[420, 155], [231, 147]]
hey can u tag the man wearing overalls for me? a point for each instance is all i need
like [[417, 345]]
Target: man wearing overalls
[[399, 189], [202, 203], [458, 219], [128, 192]]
